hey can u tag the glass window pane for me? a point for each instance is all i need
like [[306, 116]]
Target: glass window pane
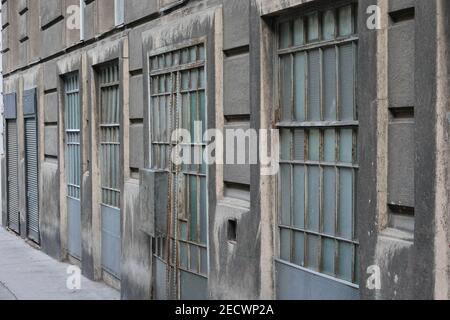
[[285, 35], [346, 82], [313, 252], [286, 141], [203, 210], [194, 258], [314, 145], [204, 261], [329, 83], [286, 87], [313, 198], [329, 145], [345, 203], [313, 27], [299, 32], [345, 21], [183, 255], [285, 194], [193, 208], [300, 83], [328, 256], [299, 248], [329, 200], [299, 145], [328, 25], [299, 199], [314, 85], [346, 145], [345, 260], [285, 245]]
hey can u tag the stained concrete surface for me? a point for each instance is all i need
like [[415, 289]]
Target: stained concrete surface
[[28, 274]]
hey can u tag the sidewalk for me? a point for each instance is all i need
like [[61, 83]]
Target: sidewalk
[[29, 274]]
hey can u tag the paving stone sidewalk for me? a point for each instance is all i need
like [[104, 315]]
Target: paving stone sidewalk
[[28, 274]]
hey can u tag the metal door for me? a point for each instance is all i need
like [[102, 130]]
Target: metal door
[[31, 165], [110, 167], [12, 163], [178, 100], [72, 123]]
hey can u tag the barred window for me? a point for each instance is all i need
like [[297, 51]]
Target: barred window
[[110, 135], [318, 136], [177, 100], [72, 128]]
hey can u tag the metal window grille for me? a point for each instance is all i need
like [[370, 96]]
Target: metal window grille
[[110, 135], [72, 128], [177, 100], [318, 135]]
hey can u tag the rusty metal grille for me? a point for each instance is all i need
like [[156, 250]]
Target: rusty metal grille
[[318, 136], [72, 128], [110, 135], [177, 100]]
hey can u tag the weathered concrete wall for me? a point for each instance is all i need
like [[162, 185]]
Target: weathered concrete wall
[[136, 249]]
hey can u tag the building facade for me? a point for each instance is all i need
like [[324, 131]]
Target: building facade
[[351, 98]]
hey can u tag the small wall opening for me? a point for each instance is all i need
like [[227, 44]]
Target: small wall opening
[[232, 230]]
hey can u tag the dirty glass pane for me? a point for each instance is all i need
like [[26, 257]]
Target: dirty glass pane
[[299, 145], [183, 255], [345, 21], [328, 25], [299, 199], [183, 230], [346, 145], [194, 258], [201, 51], [329, 83], [299, 248], [193, 54], [300, 85], [203, 210], [202, 105], [285, 194], [313, 252], [313, 27], [329, 200], [286, 87], [345, 260], [185, 80], [329, 145], [299, 32], [193, 210], [204, 261], [328, 256], [285, 35], [286, 141], [345, 203], [186, 121], [314, 85], [314, 145], [346, 82], [194, 117], [285, 244], [194, 79], [313, 197]]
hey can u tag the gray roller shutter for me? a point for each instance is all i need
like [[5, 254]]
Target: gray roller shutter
[[31, 164], [12, 159]]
